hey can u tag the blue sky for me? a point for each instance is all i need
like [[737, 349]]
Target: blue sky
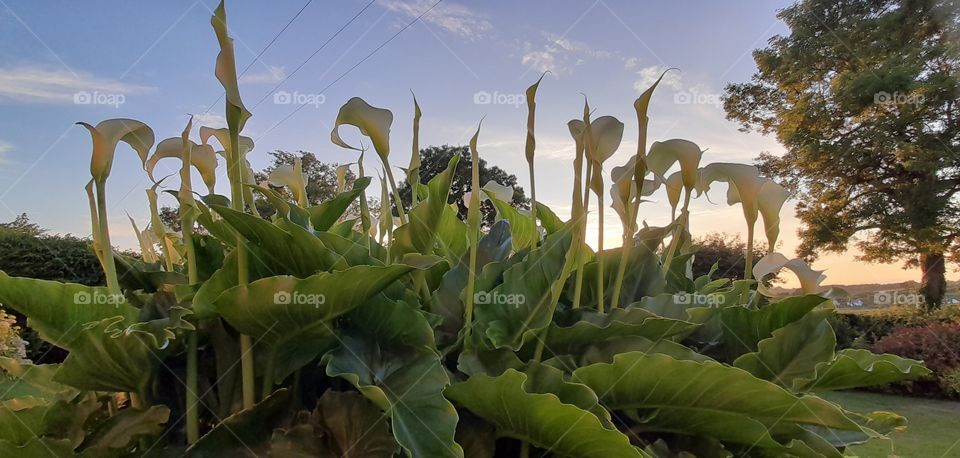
[[157, 59]]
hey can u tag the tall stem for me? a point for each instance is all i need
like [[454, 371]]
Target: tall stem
[[396, 193], [109, 265], [243, 276], [748, 263], [600, 297], [533, 198], [582, 246], [473, 233]]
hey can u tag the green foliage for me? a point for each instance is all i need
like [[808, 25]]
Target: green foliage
[[437, 338]]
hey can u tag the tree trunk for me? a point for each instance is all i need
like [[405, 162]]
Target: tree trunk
[[933, 283]]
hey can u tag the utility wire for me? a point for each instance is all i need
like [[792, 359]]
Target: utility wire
[[315, 52], [344, 74], [265, 48]]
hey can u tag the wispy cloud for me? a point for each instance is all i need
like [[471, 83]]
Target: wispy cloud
[[451, 17], [210, 120], [4, 149], [648, 75], [28, 84], [560, 54], [273, 74]]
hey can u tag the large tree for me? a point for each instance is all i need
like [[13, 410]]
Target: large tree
[[434, 159], [863, 94]]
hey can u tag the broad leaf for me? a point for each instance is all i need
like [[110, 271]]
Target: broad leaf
[[852, 368], [793, 352], [246, 432], [325, 215], [539, 418]]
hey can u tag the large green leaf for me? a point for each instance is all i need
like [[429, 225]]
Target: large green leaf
[[539, 418], [586, 327], [325, 215], [527, 294], [387, 353], [75, 317], [225, 278], [524, 234], [292, 317], [705, 398], [605, 351], [36, 380], [282, 246], [548, 219], [793, 352], [744, 328], [853, 368], [451, 235], [447, 300], [344, 424], [419, 233], [125, 427], [245, 433]]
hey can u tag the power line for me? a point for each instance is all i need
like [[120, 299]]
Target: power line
[[315, 52], [344, 74], [265, 48]]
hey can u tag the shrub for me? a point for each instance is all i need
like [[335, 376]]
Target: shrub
[[938, 346]]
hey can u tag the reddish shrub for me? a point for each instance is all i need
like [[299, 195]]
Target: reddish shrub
[[937, 344]]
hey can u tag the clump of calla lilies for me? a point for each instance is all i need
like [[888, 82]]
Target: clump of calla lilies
[[323, 331]]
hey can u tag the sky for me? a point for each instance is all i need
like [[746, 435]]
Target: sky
[[63, 62]]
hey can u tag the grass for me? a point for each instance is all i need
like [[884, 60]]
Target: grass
[[933, 430]]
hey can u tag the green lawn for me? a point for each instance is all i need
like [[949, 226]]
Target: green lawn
[[933, 430]]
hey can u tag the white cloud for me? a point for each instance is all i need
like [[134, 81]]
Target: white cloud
[[541, 61], [560, 54], [210, 120], [630, 62], [272, 74], [649, 75], [40, 85], [451, 17], [4, 149]]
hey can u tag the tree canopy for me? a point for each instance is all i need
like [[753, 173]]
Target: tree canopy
[[863, 94]]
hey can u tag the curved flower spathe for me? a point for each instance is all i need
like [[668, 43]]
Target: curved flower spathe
[[291, 176], [106, 134], [373, 122], [664, 154], [202, 158], [772, 263]]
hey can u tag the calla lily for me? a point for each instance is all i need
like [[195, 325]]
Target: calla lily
[[202, 158], [624, 188], [606, 132], [386, 213], [501, 192], [413, 170], [105, 137], [664, 154], [293, 178], [810, 279], [373, 122], [223, 136], [744, 185], [147, 250], [772, 198], [226, 71], [674, 186]]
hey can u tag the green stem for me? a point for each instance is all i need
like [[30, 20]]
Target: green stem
[[243, 276], [267, 386], [193, 418], [109, 265], [533, 198], [600, 297], [582, 245], [748, 263], [396, 193]]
